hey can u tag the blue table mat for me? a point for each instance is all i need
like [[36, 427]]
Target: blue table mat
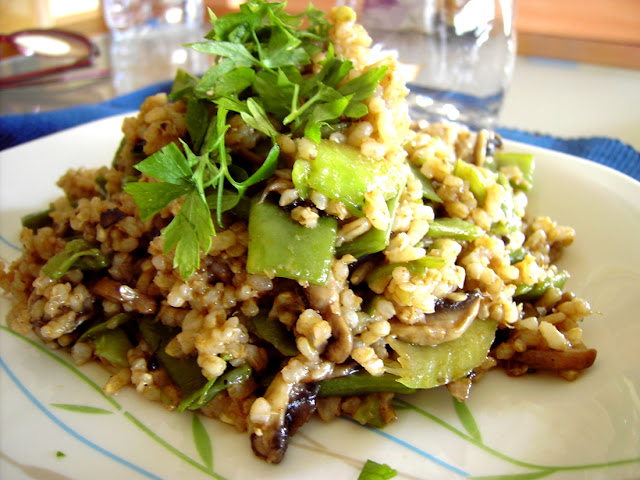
[[19, 128]]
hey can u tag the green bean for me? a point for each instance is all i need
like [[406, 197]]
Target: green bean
[[110, 324], [77, 253], [281, 247], [372, 241], [454, 228], [37, 220], [112, 346], [531, 293], [273, 331], [361, 383], [200, 398]]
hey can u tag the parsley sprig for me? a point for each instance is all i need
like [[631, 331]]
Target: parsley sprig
[[190, 175], [262, 71]]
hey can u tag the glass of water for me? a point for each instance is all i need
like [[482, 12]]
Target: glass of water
[[456, 55], [148, 39]]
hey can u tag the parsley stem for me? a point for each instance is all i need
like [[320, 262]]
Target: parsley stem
[[222, 155], [294, 105]]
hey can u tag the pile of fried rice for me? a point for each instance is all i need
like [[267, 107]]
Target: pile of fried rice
[[347, 325]]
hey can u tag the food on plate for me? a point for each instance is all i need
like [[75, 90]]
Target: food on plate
[[276, 239]]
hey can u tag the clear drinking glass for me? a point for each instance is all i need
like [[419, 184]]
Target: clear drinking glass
[[457, 55], [123, 16], [148, 39]]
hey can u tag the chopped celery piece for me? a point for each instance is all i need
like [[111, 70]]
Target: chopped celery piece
[[361, 383], [77, 253], [415, 267], [281, 247], [531, 293], [454, 228], [112, 346], [184, 373], [429, 366], [368, 413], [477, 177], [273, 331], [512, 221], [524, 161], [372, 241], [342, 173], [428, 192]]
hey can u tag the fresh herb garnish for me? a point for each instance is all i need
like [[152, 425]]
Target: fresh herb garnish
[[189, 175], [376, 471], [262, 71]]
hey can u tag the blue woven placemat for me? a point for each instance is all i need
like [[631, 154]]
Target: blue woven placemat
[[19, 128]]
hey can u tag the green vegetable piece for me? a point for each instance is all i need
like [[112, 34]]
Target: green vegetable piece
[[112, 346], [342, 173], [372, 241], [512, 221], [184, 373], [197, 121], [200, 398], [281, 247], [273, 331], [428, 192], [429, 366], [116, 155], [517, 255], [361, 383], [415, 267], [531, 293], [376, 471], [37, 220], [524, 161], [101, 185], [299, 174], [454, 228], [477, 177], [77, 253], [368, 413], [60, 454], [113, 323]]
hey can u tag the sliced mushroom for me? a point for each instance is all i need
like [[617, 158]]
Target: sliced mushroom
[[447, 323], [124, 294], [326, 299], [576, 359], [111, 217], [291, 405], [341, 343]]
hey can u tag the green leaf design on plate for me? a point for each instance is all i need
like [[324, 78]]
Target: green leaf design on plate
[[467, 420], [63, 361], [202, 441], [81, 409], [520, 476], [539, 471]]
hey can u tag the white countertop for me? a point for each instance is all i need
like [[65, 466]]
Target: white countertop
[[568, 99]]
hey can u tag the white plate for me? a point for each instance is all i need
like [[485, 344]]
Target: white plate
[[535, 426]]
